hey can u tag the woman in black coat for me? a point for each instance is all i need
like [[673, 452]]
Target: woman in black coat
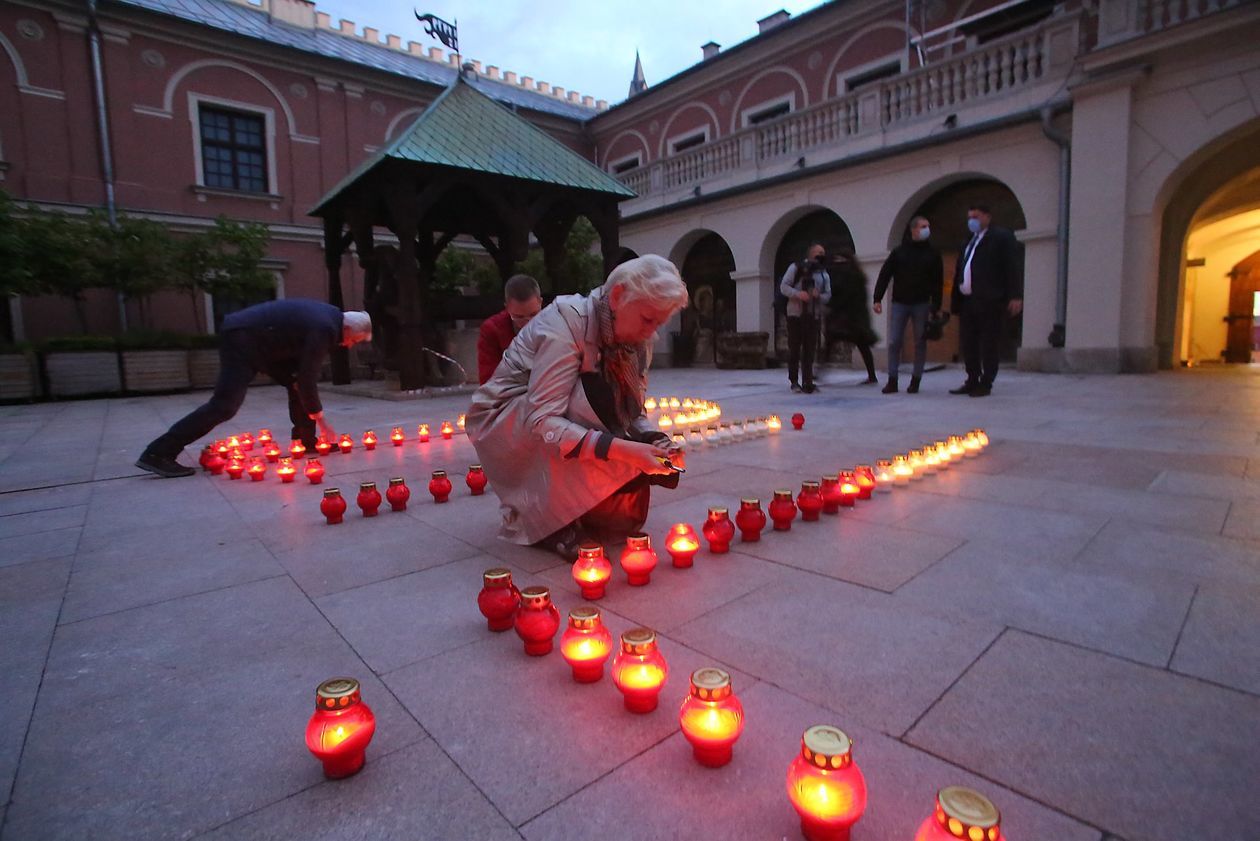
[[848, 319]]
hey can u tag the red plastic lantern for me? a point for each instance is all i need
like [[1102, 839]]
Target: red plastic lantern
[[830, 490], [286, 471], [849, 489], [825, 785], [369, 499], [864, 477], [322, 446], [271, 451], [961, 813], [398, 493], [682, 542], [585, 644], [440, 486], [369, 440], [782, 510], [346, 444], [750, 520], [476, 480], [712, 718], [204, 459], [639, 671], [216, 463], [499, 599], [257, 469], [591, 570], [297, 449], [247, 442], [332, 506], [236, 454], [448, 429], [537, 621], [264, 436], [798, 421], [234, 442], [423, 432], [341, 728], [719, 530], [810, 501], [314, 471], [396, 436], [638, 559], [235, 468], [221, 447]]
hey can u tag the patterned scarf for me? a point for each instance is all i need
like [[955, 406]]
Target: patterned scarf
[[622, 366]]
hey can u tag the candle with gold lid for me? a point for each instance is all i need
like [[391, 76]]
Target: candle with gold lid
[[447, 429], [864, 477], [271, 451], [825, 785], [711, 717], [639, 671], [264, 436], [332, 506], [339, 731], [297, 449], [961, 813], [346, 443], [369, 440], [682, 543], [397, 494], [971, 444], [499, 599], [369, 499], [638, 559], [591, 570], [537, 621], [782, 510], [257, 469], [586, 644], [750, 520], [314, 471], [902, 471], [396, 436], [286, 471], [323, 446], [422, 433], [810, 501], [476, 480], [915, 459], [439, 486], [956, 449], [884, 478]]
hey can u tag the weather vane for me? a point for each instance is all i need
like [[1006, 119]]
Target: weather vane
[[435, 27]]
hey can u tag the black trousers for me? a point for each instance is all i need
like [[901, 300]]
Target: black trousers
[[802, 344], [237, 367], [980, 337]]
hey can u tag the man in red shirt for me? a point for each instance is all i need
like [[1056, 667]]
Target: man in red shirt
[[523, 301]]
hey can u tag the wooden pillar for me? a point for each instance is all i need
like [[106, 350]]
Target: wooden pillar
[[333, 250], [405, 219]]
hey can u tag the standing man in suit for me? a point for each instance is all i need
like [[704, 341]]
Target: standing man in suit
[[987, 288]]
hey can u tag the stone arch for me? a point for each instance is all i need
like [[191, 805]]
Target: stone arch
[[778, 231], [18, 66], [864, 32], [778, 68], [168, 95], [695, 103], [647, 147], [915, 203], [399, 117], [706, 263]]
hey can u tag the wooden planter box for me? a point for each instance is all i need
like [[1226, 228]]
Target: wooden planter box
[[146, 371], [203, 367], [17, 377], [75, 374]]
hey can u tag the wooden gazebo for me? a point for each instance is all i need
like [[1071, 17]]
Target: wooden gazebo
[[467, 165]]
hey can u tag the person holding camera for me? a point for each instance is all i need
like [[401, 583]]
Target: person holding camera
[[807, 288], [917, 275]]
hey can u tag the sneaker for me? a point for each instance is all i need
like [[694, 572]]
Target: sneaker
[[564, 543], [796, 387], [164, 466], [982, 391], [965, 388], [810, 389], [914, 386], [891, 387]]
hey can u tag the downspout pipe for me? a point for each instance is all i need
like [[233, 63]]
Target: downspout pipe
[[102, 131], [1058, 333]]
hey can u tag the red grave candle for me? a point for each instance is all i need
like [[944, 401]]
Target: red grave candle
[[397, 494], [204, 460], [537, 621], [423, 432], [711, 718], [782, 510], [332, 506], [369, 499], [235, 468], [440, 486], [499, 599], [369, 440], [322, 446], [314, 471], [286, 471], [448, 429], [830, 491], [639, 671], [221, 447], [798, 421], [346, 444], [849, 489], [396, 436], [297, 449], [216, 463], [234, 442], [719, 530], [810, 501], [682, 542], [341, 728], [750, 520], [961, 813], [586, 644], [476, 480], [247, 442], [264, 436], [638, 559], [591, 570], [271, 451], [864, 477], [826, 787]]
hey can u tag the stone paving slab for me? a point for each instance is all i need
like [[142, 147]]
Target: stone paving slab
[[1183, 749], [38, 547], [49, 499], [1196, 558], [1180, 485], [1221, 640]]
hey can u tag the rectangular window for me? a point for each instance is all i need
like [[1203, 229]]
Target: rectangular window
[[691, 141], [626, 164], [884, 71], [233, 149], [766, 114]]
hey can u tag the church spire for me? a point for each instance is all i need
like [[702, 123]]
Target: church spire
[[637, 84]]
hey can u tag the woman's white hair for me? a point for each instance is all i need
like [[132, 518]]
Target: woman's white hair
[[357, 324], [649, 278]]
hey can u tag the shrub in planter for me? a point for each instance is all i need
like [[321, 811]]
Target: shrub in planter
[[77, 366], [17, 373], [154, 361]]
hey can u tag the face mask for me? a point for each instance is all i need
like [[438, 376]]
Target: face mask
[[973, 225], [924, 234]]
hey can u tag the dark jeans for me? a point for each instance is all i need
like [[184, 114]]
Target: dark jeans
[[802, 343], [916, 314], [237, 367], [980, 337]]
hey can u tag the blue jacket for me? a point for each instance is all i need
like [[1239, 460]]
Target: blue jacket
[[290, 339]]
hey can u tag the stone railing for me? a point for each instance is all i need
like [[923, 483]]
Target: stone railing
[[1123, 20], [996, 70]]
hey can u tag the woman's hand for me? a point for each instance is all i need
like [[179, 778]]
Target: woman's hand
[[646, 458]]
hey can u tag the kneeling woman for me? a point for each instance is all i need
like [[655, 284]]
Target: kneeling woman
[[560, 426]]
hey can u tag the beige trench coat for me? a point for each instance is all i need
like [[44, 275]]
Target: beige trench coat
[[528, 420]]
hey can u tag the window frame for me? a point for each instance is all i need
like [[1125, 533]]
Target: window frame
[[671, 143], [276, 273], [844, 77], [746, 115], [195, 103], [636, 157]]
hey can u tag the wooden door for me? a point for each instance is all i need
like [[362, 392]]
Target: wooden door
[[1244, 283]]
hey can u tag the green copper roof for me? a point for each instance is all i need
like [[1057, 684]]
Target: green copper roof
[[465, 129]]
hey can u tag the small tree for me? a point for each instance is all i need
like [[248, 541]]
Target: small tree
[[132, 257], [224, 261], [55, 250], [581, 267]]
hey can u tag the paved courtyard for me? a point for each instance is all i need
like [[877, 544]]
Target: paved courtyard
[[1068, 623]]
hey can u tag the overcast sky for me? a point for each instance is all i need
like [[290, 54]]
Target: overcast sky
[[581, 45]]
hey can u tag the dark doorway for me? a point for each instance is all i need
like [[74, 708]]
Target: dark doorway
[[707, 272], [819, 226]]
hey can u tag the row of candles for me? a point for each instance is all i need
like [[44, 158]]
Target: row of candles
[[333, 506]]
